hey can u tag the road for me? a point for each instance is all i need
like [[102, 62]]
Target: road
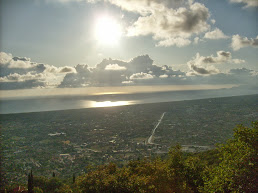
[[150, 140]]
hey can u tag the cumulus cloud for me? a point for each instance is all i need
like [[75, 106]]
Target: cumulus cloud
[[215, 34], [196, 40], [114, 67], [66, 69], [222, 57], [247, 3], [203, 64], [170, 22], [204, 71], [179, 42], [163, 76], [18, 81], [141, 75], [21, 78], [20, 72], [241, 42], [140, 70], [111, 72]]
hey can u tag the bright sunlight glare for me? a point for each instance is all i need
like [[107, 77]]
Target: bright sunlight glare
[[107, 31], [110, 103]]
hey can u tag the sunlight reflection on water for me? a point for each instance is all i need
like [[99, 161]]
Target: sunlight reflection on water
[[110, 103]]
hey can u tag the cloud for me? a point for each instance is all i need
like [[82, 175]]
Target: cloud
[[241, 42], [5, 58], [127, 82], [170, 22], [114, 67], [21, 78], [215, 34], [179, 42], [20, 72], [141, 75], [248, 3], [196, 40], [203, 71], [140, 70], [66, 69], [163, 76], [112, 72], [222, 57], [203, 64], [144, 7], [17, 81], [79, 78]]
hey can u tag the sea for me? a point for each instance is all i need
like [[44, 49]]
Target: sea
[[38, 100]]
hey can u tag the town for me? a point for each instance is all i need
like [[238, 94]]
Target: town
[[72, 141]]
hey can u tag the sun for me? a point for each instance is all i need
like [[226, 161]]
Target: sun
[[107, 31]]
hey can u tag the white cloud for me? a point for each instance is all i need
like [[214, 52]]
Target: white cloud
[[222, 57], [215, 34], [5, 58], [163, 76], [144, 7], [20, 72], [179, 42], [248, 3], [203, 64], [241, 42], [141, 75], [127, 82], [22, 77], [114, 67], [168, 22], [138, 71], [238, 61], [196, 40]]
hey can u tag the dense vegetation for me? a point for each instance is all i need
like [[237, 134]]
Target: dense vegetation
[[231, 167]]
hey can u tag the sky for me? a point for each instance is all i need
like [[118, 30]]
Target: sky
[[83, 43]]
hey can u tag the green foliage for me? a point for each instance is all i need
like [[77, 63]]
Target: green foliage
[[237, 171], [231, 167], [53, 184], [37, 190]]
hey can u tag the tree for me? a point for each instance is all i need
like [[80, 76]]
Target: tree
[[237, 171], [73, 178], [30, 182]]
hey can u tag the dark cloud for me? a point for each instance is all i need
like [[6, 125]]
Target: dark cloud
[[66, 70], [201, 70], [80, 78], [21, 58], [208, 60], [22, 85]]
